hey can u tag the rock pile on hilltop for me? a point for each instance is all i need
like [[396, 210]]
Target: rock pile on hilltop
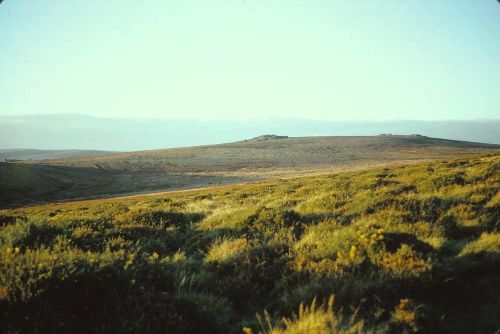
[[267, 137]]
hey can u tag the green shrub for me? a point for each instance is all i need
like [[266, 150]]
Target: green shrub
[[271, 220], [405, 262], [30, 234], [339, 250]]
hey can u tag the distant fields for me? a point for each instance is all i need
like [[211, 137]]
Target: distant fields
[[202, 166], [397, 249]]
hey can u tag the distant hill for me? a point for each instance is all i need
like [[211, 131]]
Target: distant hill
[[270, 151], [202, 166], [31, 154]]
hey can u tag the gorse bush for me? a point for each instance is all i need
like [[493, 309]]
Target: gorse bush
[[411, 249], [339, 250]]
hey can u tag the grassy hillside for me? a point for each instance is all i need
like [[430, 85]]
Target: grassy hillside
[[411, 249], [146, 171]]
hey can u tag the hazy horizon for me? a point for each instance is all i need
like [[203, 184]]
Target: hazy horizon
[[229, 119], [77, 131]]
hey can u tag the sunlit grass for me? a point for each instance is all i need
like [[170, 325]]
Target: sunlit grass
[[410, 249]]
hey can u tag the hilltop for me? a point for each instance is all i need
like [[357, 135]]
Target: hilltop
[[409, 249], [201, 166], [266, 137]]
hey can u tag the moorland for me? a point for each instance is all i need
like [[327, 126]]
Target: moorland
[[265, 157], [395, 249]]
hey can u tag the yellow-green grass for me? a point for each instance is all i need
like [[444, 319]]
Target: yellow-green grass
[[410, 249]]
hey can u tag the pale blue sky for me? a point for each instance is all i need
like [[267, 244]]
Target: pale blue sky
[[252, 59]]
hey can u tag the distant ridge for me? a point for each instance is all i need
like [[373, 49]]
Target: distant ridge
[[125, 134]]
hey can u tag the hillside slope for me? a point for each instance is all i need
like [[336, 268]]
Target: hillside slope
[[410, 249], [281, 152], [192, 167]]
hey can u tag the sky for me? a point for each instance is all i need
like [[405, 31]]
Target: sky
[[252, 59]]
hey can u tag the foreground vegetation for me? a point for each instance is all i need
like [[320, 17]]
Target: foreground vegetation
[[412, 249]]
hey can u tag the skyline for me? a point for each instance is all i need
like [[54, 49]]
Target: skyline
[[118, 117], [236, 60]]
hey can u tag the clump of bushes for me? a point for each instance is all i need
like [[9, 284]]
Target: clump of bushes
[[359, 248], [405, 262], [338, 250], [268, 222], [31, 234], [62, 289]]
